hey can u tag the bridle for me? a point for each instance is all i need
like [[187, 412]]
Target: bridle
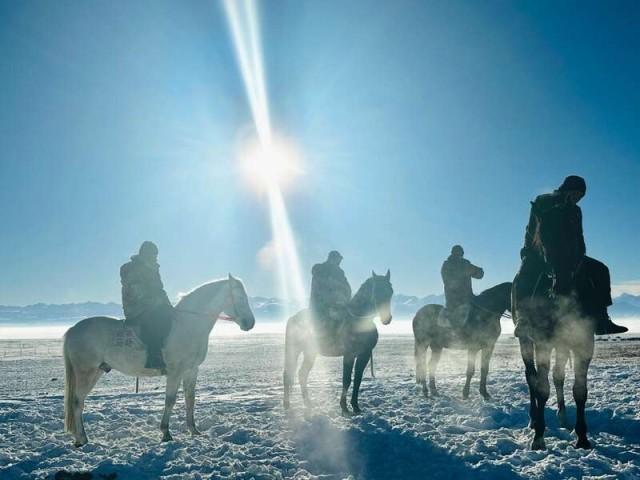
[[231, 298]]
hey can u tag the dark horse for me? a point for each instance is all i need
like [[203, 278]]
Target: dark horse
[[554, 323], [356, 340], [480, 333]]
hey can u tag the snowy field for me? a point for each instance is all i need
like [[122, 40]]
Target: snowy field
[[247, 434]]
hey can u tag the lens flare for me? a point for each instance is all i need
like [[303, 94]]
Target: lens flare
[[270, 161], [276, 163]]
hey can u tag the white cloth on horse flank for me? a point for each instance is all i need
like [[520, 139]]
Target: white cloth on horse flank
[[126, 337], [454, 318]]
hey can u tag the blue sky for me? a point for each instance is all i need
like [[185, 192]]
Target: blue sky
[[422, 124]]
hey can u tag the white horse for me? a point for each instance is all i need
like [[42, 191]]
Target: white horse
[[96, 345]]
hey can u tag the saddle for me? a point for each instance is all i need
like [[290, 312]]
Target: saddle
[[329, 331]]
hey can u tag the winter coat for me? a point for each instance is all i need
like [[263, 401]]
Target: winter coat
[[457, 273], [329, 288], [142, 289], [554, 232]]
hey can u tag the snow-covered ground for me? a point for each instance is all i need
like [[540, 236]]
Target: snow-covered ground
[[247, 434]]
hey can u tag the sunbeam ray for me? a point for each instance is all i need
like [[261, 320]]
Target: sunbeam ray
[[242, 16]]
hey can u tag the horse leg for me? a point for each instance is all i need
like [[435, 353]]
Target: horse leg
[[303, 375], [562, 357], [347, 370], [433, 364], [543, 361], [581, 366], [291, 354], [487, 352], [84, 383], [173, 381], [420, 354], [471, 369], [189, 384], [361, 364], [526, 351]]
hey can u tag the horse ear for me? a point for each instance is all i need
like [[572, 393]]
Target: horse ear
[[373, 273], [388, 275], [230, 276]]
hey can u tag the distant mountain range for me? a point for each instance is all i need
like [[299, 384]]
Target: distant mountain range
[[265, 308]]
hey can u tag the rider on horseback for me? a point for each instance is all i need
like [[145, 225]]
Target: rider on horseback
[[554, 246], [145, 303], [457, 273], [330, 293]]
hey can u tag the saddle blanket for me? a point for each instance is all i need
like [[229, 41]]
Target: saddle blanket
[[453, 319], [127, 337]]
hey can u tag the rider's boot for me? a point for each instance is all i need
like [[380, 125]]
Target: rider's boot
[[605, 326], [154, 359]]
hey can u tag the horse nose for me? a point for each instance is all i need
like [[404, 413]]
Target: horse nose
[[250, 323]]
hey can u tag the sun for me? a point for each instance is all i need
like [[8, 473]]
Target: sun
[[275, 163]]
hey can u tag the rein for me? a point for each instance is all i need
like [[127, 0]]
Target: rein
[[486, 310]]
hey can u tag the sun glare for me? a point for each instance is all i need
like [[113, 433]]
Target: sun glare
[[276, 163]]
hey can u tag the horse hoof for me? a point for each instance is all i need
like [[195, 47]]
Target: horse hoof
[[356, 409], [584, 443], [167, 437], [195, 432], [78, 444], [486, 396], [538, 444], [465, 394], [286, 404]]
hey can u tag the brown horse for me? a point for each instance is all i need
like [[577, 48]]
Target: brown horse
[[479, 334], [554, 323], [357, 339]]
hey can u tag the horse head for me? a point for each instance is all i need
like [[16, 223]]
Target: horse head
[[381, 293], [237, 305], [495, 299]]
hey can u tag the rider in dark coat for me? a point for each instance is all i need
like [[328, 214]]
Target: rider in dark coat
[[145, 303], [554, 245], [457, 273], [330, 294]]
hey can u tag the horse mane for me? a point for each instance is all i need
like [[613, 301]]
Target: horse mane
[[493, 299], [199, 290], [361, 297]]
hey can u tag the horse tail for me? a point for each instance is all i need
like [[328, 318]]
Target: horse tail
[[372, 371], [69, 388]]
